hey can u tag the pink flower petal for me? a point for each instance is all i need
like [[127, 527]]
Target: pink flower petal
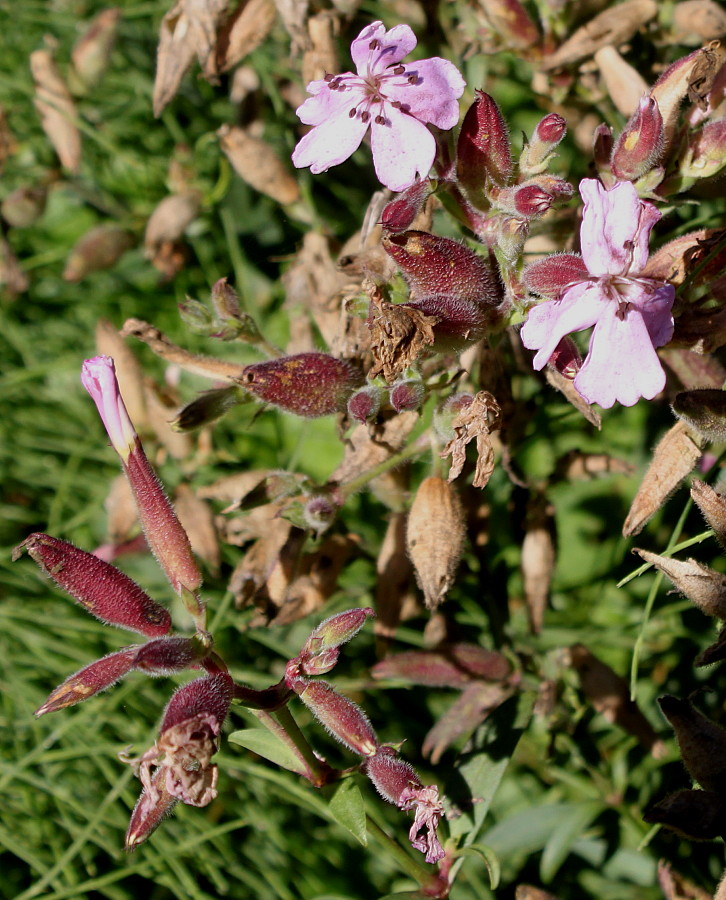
[[434, 96], [656, 312], [402, 150], [326, 103], [394, 45], [331, 142], [581, 307], [621, 366]]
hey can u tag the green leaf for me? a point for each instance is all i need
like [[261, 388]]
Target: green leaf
[[565, 835], [491, 861], [269, 746], [346, 807]]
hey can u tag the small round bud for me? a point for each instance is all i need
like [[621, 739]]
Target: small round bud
[[407, 395], [365, 403]]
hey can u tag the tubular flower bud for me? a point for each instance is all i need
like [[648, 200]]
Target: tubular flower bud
[[547, 135], [483, 153], [706, 151], [99, 379], [152, 807], [550, 277], [101, 588], [91, 679], [407, 395], [640, 146], [397, 782], [342, 718], [566, 359], [440, 266], [704, 410], [365, 404], [602, 147], [308, 384], [398, 215], [702, 743], [168, 655], [336, 630], [713, 507]]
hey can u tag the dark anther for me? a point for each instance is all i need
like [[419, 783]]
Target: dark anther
[[412, 79], [399, 70], [365, 116], [351, 114], [379, 120], [374, 44]]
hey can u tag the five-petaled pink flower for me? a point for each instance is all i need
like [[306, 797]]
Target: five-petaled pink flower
[[631, 313], [395, 100]]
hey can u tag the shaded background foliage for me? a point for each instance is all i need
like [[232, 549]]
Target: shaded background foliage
[[568, 813]]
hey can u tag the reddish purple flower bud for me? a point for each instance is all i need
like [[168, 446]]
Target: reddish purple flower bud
[[547, 135], [308, 384], [460, 322], [566, 358], [532, 198], [152, 807], [209, 696], [342, 718], [455, 666], [640, 146], [531, 201], [314, 665], [166, 538], [100, 675], [551, 129], [407, 395], [225, 300], [168, 655], [399, 214], [483, 152], [365, 403], [435, 265], [319, 512], [706, 151], [550, 277], [336, 630], [101, 588], [390, 775], [602, 147]]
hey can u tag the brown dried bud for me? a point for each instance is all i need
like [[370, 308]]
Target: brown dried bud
[[57, 110], [100, 248], [91, 679], [625, 85], [399, 214], [698, 21], [92, 51], [702, 742], [342, 718], [704, 410], [483, 152], [713, 506], [152, 807], [696, 815], [435, 538], [170, 219], [476, 420], [307, 384], [450, 665], [23, 206], [538, 560], [673, 458], [640, 146], [255, 161], [399, 334], [511, 22], [435, 265], [101, 588], [704, 586], [244, 31]]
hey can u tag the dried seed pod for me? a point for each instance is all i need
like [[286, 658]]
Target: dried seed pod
[[92, 51], [698, 21], [100, 248], [255, 161], [435, 537], [673, 458], [704, 586], [23, 206], [702, 742], [625, 85], [538, 561], [450, 665], [57, 110], [170, 219], [197, 520], [320, 56], [713, 506], [244, 31]]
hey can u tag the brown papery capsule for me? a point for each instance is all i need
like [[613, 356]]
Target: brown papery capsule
[[704, 586], [255, 161], [673, 458], [713, 506], [24, 205], [92, 51], [97, 249], [704, 410], [702, 742], [435, 537]]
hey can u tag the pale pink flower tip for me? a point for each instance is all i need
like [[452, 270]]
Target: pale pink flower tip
[[98, 376], [631, 314], [394, 100]]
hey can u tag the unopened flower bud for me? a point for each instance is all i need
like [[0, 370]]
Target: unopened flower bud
[[483, 152], [566, 358], [704, 410], [511, 234], [532, 201], [407, 395], [697, 815], [101, 588], [336, 630], [702, 742], [399, 214], [307, 384], [166, 538], [319, 512], [91, 679], [640, 145], [152, 807], [197, 317], [547, 135], [705, 153], [100, 248], [365, 403], [23, 206], [225, 299], [342, 718], [209, 696], [208, 407], [435, 265], [446, 413], [602, 147], [704, 586], [450, 665], [168, 655], [713, 507]]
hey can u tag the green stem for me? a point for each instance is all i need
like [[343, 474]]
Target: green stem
[[318, 771], [420, 445], [420, 873]]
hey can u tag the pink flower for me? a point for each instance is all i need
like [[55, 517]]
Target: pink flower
[[631, 314], [99, 379], [394, 100]]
